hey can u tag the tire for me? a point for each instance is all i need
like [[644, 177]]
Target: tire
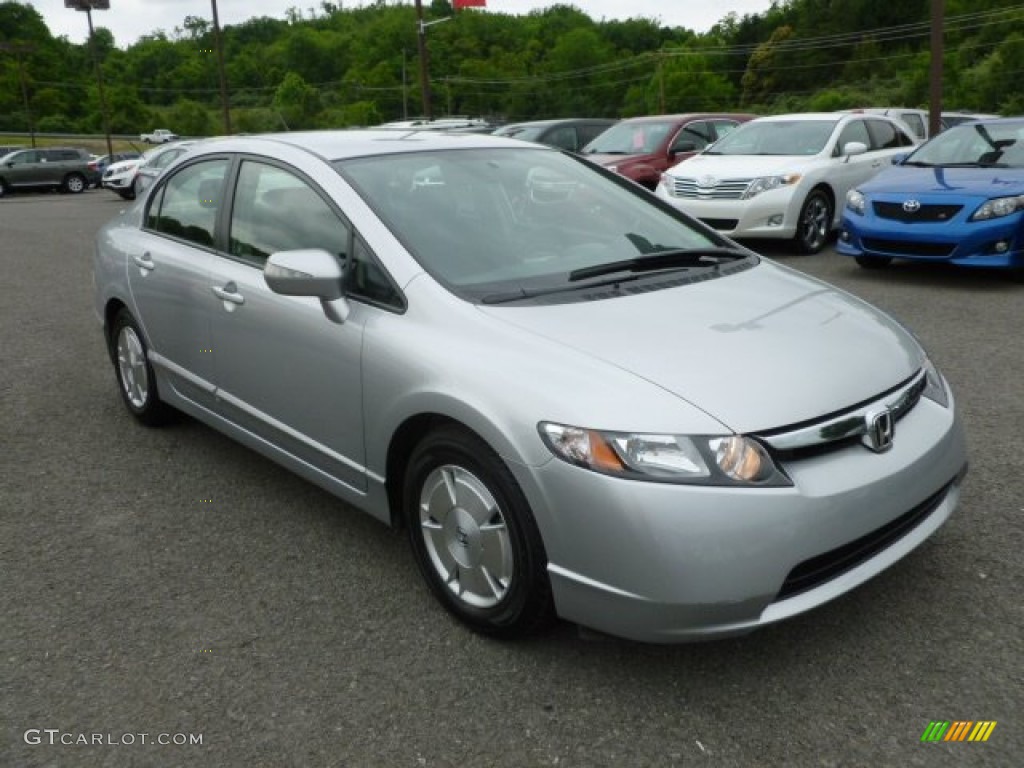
[[3, 188], [135, 379], [873, 262], [815, 223], [474, 537], [127, 194], [75, 183]]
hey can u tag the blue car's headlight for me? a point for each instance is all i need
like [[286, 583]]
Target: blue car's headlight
[[855, 201], [998, 207], [696, 459], [768, 183]]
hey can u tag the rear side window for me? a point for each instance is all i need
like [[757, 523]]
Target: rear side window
[[563, 136], [187, 205], [693, 137], [915, 122]]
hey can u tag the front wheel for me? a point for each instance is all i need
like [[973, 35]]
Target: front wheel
[[75, 183], [474, 537], [815, 222], [135, 378], [873, 262]]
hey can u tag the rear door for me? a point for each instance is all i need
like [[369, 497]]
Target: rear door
[[169, 267]]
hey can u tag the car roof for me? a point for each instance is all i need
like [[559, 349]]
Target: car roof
[[685, 116], [560, 121], [342, 144]]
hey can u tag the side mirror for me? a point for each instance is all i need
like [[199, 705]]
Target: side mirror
[[309, 272], [852, 148]]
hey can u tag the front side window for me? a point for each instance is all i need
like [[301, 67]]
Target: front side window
[[856, 130], [25, 158], [887, 136], [515, 221], [693, 137], [186, 207], [276, 210]]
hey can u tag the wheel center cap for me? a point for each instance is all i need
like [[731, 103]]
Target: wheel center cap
[[462, 535]]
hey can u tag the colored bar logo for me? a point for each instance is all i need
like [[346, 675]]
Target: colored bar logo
[[958, 730]]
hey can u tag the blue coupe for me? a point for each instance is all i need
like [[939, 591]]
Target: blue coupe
[[959, 198]]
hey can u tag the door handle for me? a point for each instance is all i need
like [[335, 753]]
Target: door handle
[[229, 293], [145, 261]]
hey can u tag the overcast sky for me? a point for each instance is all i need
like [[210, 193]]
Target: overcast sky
[[130, 19]]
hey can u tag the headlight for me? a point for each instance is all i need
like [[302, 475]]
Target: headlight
[[855, 201], [998, 207], [768, 183], [693, 459], [668, 182], [935, 385]]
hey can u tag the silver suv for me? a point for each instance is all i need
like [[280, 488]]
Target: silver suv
[[64, 168]]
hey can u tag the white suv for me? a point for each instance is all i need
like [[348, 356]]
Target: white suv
[[781, 176]]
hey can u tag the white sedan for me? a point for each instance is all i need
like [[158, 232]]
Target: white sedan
[[780, 176]]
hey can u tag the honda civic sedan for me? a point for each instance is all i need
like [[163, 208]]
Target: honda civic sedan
[[577, 400]]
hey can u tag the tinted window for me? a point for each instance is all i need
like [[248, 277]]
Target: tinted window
[[21, 158], [275, 210], [190, 200], [563, 136], [915, 122], [589, 132]]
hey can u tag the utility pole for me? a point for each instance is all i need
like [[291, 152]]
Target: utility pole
[[18, 49], [421, 29], [935, 70], [88, 6], [219, 42]]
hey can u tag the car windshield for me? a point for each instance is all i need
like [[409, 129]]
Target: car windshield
[[998, 145], [776, 137], [628, 138], [500, 221]]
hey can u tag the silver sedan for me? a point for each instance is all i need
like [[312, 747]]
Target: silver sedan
[[578, 401]]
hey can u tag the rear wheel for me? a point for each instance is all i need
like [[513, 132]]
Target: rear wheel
[[474, 537], [135, 378], [75, 183], [874, 262], [815, 222]]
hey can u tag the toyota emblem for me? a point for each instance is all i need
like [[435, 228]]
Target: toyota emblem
[[911, 206], [706, 182]]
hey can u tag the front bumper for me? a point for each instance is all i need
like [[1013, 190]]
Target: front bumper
[[772, 214], [669, 563], [993, 243]]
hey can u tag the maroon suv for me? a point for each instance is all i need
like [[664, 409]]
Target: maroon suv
[[641, 148]]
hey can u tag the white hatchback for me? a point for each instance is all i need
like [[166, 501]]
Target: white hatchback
[[780, 176]]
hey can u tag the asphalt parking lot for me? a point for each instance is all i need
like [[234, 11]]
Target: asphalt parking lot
[[173, 583]]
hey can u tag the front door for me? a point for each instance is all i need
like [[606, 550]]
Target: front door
[[285, 372]]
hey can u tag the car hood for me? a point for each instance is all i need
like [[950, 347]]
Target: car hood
[[757, 350], [951, 182], [740, 166]]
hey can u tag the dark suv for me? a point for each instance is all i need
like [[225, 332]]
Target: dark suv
[[571, 133], [65, 168]]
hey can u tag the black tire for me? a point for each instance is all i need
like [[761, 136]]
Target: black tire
[[495, 578], [134, 373], [3, 188], [814, 226], [873, 262], [127, 194], [75, 183]]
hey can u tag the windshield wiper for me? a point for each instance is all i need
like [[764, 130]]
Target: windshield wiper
[[674, 258]]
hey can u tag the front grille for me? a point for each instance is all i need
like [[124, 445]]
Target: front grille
[[908, 248], [924, 214], [825, 567], [724, 224], [723, 189]]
